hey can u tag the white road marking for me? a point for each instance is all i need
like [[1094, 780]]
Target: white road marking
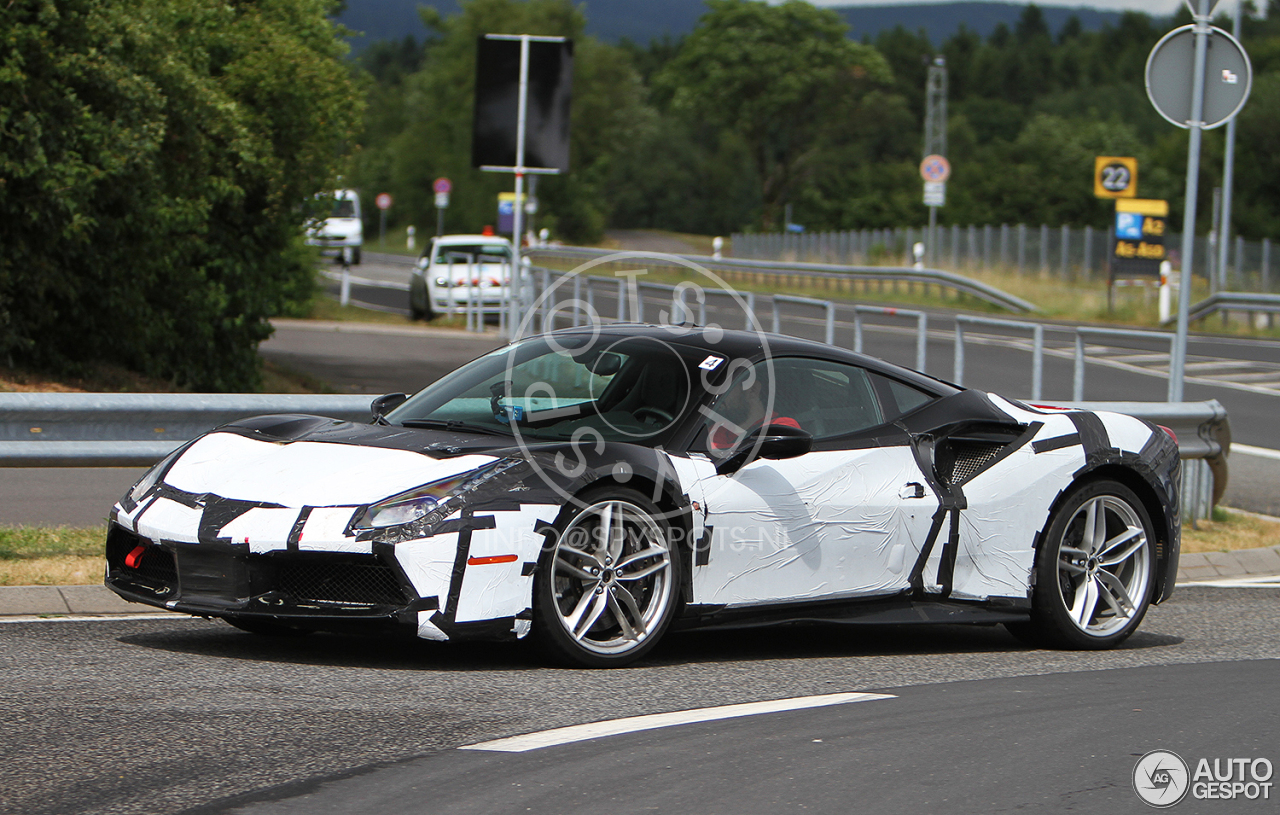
[[1253, 582], [1250, 450], [634, 724]]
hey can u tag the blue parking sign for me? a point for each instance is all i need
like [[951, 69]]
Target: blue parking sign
[[1129, 225]]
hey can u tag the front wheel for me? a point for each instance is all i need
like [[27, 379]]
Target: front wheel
[[609, 584], [1094, 571]]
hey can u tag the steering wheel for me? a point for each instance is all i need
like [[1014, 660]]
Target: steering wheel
[[662, 416]]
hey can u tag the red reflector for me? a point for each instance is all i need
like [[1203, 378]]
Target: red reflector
[[484, 561], [1169, 433], [135, 557]]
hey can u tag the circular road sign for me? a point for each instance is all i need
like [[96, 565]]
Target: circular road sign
[[1228, 76], [442, 186], [935, 169], [383, 201]]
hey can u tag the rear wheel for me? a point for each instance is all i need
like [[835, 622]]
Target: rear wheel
[[609, 586], [1094, 575]]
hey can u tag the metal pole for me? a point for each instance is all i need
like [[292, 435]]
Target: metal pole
[[517, 223], [1077, 374], [1088, 252], [957, 369], [1037, 362], [922, 337], [1228, 177], [857, 331], [1178, 366], [831, 323]]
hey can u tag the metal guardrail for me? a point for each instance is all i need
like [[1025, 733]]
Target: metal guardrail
[[137, 429], [1037, 352], [1232, 301], [827, 271], [922, 328]]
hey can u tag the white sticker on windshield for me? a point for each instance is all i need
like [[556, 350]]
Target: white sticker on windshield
[[711, 363]]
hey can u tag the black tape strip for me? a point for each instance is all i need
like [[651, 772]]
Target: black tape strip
[[916, 580], [1093, 433], [187, 499], [1056, 443], [295, 534], [702, 551], [424, 604], [218, 512], [466, 523], [947, 568], [528, 568], [459, 569]]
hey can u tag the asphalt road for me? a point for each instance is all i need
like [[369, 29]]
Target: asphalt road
[[181, 715]]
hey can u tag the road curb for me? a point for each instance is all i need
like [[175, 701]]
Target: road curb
[[96, 600]]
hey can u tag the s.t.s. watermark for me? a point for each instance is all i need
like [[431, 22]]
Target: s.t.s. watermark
[[1161, 778]]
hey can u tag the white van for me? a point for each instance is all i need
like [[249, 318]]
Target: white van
[[342, 230]]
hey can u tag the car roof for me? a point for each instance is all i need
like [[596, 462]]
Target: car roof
[[751, 345], [448, 239]]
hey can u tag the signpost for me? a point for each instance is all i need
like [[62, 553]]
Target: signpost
[[384, 203], [442, 187], [935, 170], [1115, 177], [1196, 87]]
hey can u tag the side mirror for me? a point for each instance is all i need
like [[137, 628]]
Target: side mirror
[[773, 441], [386, 403]]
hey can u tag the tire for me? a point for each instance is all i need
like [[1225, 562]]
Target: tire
[[1092, 589], [415, 311], [355, 256], [629, 586], [266, 628]]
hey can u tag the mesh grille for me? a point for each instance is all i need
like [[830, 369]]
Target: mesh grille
[[967, 458], [156, 564], [344, 583]]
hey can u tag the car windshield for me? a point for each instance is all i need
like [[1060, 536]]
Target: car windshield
[[563, 387], [343, 208], [457, 250]]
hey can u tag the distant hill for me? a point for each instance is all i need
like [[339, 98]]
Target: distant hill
[[652, 19]]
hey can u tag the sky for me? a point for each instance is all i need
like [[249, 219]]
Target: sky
[[1157, 7]]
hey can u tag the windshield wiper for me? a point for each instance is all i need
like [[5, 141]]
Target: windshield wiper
[[453, 424]]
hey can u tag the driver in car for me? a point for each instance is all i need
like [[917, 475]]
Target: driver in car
[[740, 411]]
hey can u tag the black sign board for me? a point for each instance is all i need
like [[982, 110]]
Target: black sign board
[[1139, 247], [493, 134]]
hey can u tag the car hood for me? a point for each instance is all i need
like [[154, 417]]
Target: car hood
[[297, 473]]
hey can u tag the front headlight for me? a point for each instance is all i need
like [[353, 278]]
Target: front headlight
[[419, 502]]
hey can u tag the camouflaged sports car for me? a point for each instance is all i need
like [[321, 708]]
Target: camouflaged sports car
[[597, 487]]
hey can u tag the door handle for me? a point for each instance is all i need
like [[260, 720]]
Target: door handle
[[912, 489]]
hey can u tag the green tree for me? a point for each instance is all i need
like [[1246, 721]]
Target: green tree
[[779, 77], [155, 157]]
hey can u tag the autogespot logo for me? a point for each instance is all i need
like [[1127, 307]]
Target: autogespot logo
[[569, 299], [1161, 778]]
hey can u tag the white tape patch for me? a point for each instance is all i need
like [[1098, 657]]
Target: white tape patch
[[635, 724]]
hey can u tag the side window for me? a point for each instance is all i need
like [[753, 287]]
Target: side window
[[825, 399], [899, 397]]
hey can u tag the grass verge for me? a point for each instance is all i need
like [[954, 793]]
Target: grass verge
[[1230, 531]]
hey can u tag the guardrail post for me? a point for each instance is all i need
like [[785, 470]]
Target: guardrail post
[[1066, 245], [922, 340], [751, 310], [622, 300], [777, 321], [1077, 374], [857, 330], [1037, 361], [591, 300], [1086, 267], [1169, 393], [577, 300], [957, 370], [831, 323]]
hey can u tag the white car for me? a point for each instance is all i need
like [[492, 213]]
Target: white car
[[342, 230], [455, 268]]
